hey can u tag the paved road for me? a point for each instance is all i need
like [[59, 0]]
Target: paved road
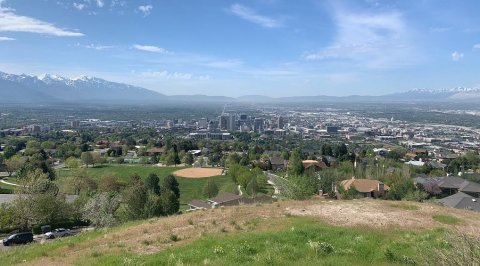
[[37, 239], [277, 182], [8, 183]]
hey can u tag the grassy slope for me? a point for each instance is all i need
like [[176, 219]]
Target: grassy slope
[[189, 188], [254, 235]]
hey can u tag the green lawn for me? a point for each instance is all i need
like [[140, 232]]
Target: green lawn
[[6, 188], [122, 172], [189, 188]]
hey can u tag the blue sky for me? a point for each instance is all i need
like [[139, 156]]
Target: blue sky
[[234, 48]]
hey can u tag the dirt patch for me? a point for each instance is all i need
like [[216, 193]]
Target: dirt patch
[[198, 172], [378, 213]]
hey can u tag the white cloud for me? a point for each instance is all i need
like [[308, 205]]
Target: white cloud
[[151, 48], [173, 75], [251, 16], [100, 3], [476, 46], [11, 22], [227, 64], [146, 10], [96, 46], [79, 6], [2, 39], [457, 56], [375, 40]]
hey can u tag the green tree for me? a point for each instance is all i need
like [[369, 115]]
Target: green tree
[[8, 152], [295, 165], [134, 198], [252, 187], [170, 203], [87, 158], [301, 187], [171, 183], [13, 164], [188, 159], [71, 163], [152, 183], [210, 189]]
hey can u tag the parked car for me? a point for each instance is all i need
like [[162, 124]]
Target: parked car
[[59, 232], [19, 238]]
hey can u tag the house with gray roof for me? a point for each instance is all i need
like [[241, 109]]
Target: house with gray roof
[[461, 200]]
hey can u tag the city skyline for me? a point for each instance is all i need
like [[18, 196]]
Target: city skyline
[[235, 48]]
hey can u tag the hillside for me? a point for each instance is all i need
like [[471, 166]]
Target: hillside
[[359, 232]]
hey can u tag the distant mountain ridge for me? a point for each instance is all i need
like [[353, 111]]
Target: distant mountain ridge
[[49, 88], [56, 89]]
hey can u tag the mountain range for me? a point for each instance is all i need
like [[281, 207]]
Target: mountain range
[[56, 89]]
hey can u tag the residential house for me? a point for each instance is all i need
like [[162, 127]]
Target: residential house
[[225, 199], [278, 163], [199, 205], [368, 188], [317, 165], [156, 151], [453, 184], [461, 200]]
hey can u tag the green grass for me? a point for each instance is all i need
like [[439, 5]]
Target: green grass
[[405, 206], [289, 245], [446, 219], [122, 172], [6, 188], [190, 188]]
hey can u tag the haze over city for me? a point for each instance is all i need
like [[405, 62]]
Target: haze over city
[[234, 48]]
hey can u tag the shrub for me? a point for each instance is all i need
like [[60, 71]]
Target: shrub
[[174, 238]]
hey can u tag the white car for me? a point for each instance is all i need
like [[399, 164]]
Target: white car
[[59, 232]]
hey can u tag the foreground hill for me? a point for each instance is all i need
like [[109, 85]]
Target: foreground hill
[[361, 232]]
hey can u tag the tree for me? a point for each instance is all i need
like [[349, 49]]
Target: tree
[[81, 181], [135, 197], [71, 163], [171, 183], [8, 152], [87, 158], [301, 187], [295, 165], [252, 187], [188, 159], [170, 203], [38, 202], [97, 158], [13, 164], [152, 183], [210, 189], [109, 183], [100, 210]]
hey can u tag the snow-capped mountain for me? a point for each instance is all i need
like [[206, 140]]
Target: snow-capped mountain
[[48, 88]]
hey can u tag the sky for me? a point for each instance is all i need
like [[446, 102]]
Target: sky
[[259, 47]]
